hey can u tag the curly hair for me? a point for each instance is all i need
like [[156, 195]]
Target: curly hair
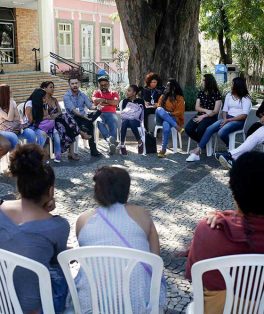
[[153, 76]]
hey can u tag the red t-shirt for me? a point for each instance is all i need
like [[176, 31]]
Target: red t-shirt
[[235, 235], [110, 95]]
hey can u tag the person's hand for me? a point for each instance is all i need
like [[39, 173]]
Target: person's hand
[[212, 220], [50, 205], [148, 104], [207, 111], [199, 118], [99, 107], [223, 122]]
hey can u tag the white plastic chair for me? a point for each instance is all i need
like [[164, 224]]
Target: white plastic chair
[[244, 278], [9, 303], [175, 135], [141, 130], [108, 270]]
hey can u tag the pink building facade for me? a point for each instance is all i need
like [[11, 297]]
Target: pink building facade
[[85, 30]]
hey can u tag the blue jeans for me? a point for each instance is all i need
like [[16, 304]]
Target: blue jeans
[[57, 144], [167, 121], [133, 125], [223, 132], [13, 138], [40, 135], [107, 124]]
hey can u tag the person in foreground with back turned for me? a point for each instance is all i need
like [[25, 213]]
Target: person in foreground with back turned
[[134, 223], [231, 232], [29, 229]]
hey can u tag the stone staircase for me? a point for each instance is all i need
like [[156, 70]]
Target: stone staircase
[[23, 84]]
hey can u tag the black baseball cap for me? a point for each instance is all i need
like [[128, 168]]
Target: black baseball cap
[[103, 78]]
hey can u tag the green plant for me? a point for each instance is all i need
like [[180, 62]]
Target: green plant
[[190, 96]]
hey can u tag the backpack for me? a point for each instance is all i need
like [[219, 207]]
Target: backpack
[[133, 111]]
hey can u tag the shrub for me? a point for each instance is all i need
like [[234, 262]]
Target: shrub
[[190, 96]]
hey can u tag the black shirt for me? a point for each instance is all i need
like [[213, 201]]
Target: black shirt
[[208, 101], [148, 94]]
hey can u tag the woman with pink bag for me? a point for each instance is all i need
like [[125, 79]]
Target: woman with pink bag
[[36, 115], [132, 115]]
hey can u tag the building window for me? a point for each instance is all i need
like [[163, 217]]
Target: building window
[[65, 40], [7, 36], [106, 43]]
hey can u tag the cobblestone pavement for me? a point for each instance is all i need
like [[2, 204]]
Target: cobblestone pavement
[[178, 195]]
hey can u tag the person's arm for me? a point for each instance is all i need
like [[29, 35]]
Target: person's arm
[[198, 107], [81, 221], [246, 106], [153, 239], [87, 102], [112, 102], [179, 109], [10, 116], [28, 114], [160, 101]]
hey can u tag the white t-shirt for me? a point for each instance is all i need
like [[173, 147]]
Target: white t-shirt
[[25, 118], [235, 107]]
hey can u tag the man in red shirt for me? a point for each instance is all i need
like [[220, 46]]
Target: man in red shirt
[[107, 123]]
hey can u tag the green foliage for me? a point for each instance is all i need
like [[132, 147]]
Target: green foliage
[[190, 95]]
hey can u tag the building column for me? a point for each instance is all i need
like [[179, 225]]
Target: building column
[[46, 32]]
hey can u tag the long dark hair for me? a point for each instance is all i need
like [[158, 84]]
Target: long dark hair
[[46, 84], [4, 97], [210, 85], [239, 87], [37, 105], [172, 90]]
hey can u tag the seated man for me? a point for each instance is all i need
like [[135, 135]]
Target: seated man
[[5, 146], [237, 231], [75, 102], [108, 120], [255, 137]]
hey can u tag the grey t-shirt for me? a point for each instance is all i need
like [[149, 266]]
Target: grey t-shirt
[[40, 240]]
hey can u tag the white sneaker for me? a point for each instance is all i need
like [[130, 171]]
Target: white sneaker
[[193, 157]]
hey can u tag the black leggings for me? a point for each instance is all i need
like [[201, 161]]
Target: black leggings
[[196, 130]]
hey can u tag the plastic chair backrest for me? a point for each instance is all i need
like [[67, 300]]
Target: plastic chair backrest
[[120, 105], [251, 118], [108, 270], [9, 303], [244, 279]]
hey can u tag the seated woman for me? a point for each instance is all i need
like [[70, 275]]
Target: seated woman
[[170, 112], [235, 111], [134, 223], [10, 126], [151, 93], [255, 137], [131, 116], [208, 104], [27, 227], [64, 123], [37, 116], [238, 231]]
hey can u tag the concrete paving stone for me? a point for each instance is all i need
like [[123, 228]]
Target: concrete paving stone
[[177, 194]]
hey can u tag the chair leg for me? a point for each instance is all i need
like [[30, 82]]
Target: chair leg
[[189, 145], [180, 140], [209, 148], [174, 140], [51, 148], [232, 141], [76, 145], [155, 131], [142, 135]]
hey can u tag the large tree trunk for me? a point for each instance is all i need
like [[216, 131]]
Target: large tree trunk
[[162, 37]]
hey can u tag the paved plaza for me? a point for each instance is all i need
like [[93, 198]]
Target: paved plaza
[[177, 194]]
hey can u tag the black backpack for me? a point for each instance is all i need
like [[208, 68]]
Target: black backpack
[[151, 143]]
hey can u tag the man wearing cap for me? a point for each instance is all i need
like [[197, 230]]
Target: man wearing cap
[[75, 103], [107, 122]]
